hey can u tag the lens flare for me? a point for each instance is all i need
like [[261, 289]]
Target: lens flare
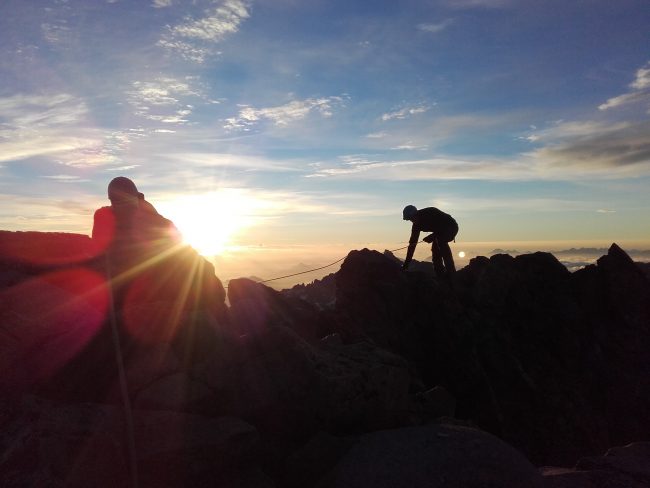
[[48, 320]]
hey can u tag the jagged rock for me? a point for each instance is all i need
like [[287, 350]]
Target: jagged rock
[[254, 307], [633, 459], [432, 456], [439, 402], [281, 383], [419, 318], [616, 298], [332, 340], [624, 467], [321, 293]]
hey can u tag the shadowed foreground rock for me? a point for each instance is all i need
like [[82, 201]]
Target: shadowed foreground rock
[[434, 456], [337, 383], [81, 445]]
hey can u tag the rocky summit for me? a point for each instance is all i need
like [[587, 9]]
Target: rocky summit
[[521, 374]]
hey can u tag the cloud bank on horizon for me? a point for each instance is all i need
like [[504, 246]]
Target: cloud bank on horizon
[[526, 120]]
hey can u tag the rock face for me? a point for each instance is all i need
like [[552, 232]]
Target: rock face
[[553, 362], [336, 383]]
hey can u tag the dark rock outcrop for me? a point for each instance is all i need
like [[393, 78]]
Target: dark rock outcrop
[[287, 388], [530, 351]]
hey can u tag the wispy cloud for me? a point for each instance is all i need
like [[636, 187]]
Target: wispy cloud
[[164, 99], [283, 115], [642, 81], [39, 111], [639, 92], [65, 178], [409, 146], [199, 161], [434, 28], [404, 113], [426, 130], [509, 204], [59, 128], [162, 91], [128, 167], [425, 169], [161, 3], [195, 39], [56, 32], [38, 125]]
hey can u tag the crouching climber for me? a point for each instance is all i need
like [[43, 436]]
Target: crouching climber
[[443, 230]]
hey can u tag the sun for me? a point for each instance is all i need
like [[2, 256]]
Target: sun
[[210, 221]]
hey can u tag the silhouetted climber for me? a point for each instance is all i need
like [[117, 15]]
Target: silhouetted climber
[[131, 227], [146, 260], [443, 230]]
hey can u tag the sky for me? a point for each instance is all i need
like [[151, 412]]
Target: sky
[[288, 132]]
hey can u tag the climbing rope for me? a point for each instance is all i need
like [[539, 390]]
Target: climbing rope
[[126, 401], [318, 269]]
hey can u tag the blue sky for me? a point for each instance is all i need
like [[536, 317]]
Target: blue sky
[[320, 119]]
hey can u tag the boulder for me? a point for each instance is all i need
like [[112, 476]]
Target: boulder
[[284, 385], [432, 456]]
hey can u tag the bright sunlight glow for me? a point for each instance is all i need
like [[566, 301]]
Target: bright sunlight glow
[[461, 254], [210, 221]]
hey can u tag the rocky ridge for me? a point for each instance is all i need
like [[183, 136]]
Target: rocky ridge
[[371, 375]]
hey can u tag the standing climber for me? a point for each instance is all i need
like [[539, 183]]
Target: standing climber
[[443, 230]]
